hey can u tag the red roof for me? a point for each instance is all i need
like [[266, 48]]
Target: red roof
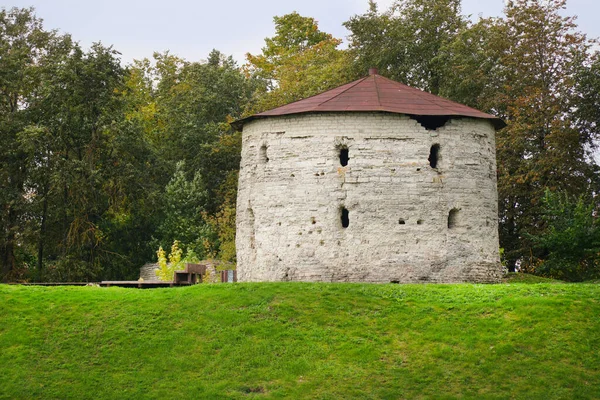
[[376, 93]]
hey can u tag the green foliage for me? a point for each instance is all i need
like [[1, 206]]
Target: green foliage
[[541, 147], [474, 67], [90, 174], [26, 54], [298, 62], [208, 276], [405, 43], [570, 242], [184, 109], [302, 341], [588, 101], [166, 270], [69, 132], [223, 223], [183, 203], [163, 272]]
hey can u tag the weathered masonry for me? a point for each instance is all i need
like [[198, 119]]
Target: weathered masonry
[[373, 181]]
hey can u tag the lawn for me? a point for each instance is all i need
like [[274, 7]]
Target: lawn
[[302, 341]]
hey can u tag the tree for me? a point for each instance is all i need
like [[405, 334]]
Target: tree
[[405, 42], [587, 100], [166, 270], [569, 244], [541, 147], [79, 107], [185, 109], [475, 72], [223, 222], [184, 202], [27, 53], [89, 175], [298, 62]]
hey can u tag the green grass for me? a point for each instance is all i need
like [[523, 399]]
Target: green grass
[[301, 341]]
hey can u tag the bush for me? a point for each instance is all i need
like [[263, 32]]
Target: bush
[[166, 270], [570, 242]]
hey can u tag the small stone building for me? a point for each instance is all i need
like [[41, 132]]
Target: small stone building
[[148, 272], [373, 181]]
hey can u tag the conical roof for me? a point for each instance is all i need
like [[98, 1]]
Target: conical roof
[[376, 93]]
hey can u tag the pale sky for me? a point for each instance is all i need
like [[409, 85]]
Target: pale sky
[[190, 29]]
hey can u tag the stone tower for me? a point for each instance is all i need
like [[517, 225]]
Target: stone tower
[[373, 181]]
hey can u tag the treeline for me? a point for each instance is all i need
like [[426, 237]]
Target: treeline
[[102, 163]]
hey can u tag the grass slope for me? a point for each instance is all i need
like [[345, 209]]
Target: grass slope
[[300, 340]]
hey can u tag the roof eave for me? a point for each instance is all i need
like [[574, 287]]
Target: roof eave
[[238, 125]]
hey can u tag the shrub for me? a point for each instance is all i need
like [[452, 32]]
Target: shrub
[[166, 270], [570, 242]]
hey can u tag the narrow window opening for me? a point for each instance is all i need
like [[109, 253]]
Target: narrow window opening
[[434, 154], [453, 218], [344, 157], [431, 122], [345, 218], [263, 154], [402, 221], [251, 222]]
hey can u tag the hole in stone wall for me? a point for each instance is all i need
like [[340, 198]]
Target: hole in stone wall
[[453, 218], [431, 122], [251, 222], [345, 218], [420, 222], [263, 154], [344, 156], [434, 154], [402, 221]]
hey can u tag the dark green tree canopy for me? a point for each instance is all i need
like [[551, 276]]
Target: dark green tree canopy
[[406, 41]]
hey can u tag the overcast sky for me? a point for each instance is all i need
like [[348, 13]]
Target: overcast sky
[[190, 29]]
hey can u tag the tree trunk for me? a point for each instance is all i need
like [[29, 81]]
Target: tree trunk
[[42, 237], [8, 251]]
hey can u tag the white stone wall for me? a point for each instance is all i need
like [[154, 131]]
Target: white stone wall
[[148, 272], [292, 188]]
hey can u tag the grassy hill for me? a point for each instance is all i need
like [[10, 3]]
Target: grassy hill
[[300, 340]]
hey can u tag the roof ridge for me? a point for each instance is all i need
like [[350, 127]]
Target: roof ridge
[[424, 95], [377, 88], [345, 90], [317, 94]]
